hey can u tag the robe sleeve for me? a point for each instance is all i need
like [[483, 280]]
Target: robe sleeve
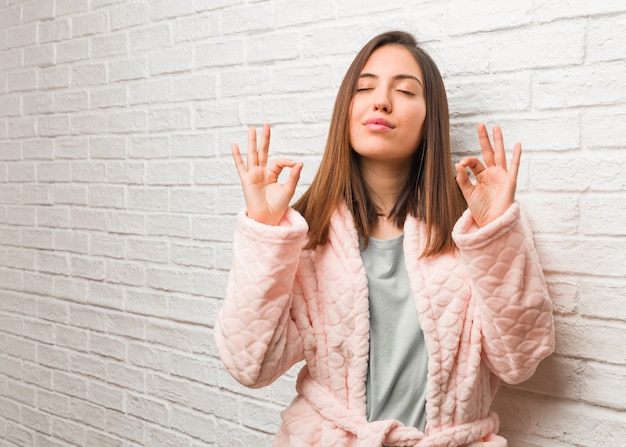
[[510, 290], [255, 335]]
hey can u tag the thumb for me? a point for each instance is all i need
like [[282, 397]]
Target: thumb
[[294, 177]]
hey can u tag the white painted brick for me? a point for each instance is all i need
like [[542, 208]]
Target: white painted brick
[[54, 311], [168, 225], [111, 246], [107, 396], [76, 340], [20, 127], [147, 409], [124, 222], [549, 10], [10, 15], [510, 93], [72, 51], [105, 295], [170, 280], [189, 201], [595, 84], [54, 30], [36, 420], [598, 132], [66, 7], [87, 172], [246, 18], [127, 122], [250, 81], [53, 403], [168, 388], [68, 431], [71, 102], [53, 126], [601, 299], [38, 238], [175, 60], [214, 228], [129, 15], [219, 54], [39, 56], [128, 69], [124, 426], [88, 219], [570, 252], [591, 340], [89, 75], [486, 15], [103, 440], [602, 385], [163, 437], [88, 268], [147, 250], [192, 423], [162, 9], [52, 357], [71, 148], [218, 114], [53, 172], [24, 80], [25, 394], [194, 87], [112, 148], [127, 326], [598, 174], [125, 376], [168, 119], [22, 36], [273, 47], [124, 272], [195, 28], [70, 194], [289, 13], [115, 96], [89, 24], [150, 37], [20, 215], [603, 215], [72, 289], [108, 347], [151, 92]]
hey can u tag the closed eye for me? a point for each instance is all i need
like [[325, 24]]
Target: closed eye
[[407, 92]]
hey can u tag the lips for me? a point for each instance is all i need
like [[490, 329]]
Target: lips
[[378, 124]]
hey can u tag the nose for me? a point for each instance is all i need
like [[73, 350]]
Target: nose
[[382, 102]]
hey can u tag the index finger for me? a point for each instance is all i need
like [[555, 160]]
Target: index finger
[[485, 145], [499, 152]]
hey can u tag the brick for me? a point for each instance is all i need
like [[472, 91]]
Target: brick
[[220, 54], [128, 69], [596, 84], [175, 60]]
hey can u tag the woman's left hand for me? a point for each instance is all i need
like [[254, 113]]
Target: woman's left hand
[[494, 190]]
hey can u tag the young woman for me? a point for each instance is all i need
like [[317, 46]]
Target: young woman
[[409, 294]]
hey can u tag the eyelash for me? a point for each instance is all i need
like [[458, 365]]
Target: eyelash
[[365, 89]]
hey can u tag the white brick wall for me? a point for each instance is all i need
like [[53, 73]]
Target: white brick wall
[[118, 197]]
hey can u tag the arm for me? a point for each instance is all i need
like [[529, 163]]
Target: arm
[[510, 291], [256, 338]]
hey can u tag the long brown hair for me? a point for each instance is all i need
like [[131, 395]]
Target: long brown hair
[[430, 193]]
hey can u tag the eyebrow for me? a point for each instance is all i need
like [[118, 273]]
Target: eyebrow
[[396, 77]]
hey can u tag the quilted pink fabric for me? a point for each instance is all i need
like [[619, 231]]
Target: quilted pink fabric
[[485, 313]]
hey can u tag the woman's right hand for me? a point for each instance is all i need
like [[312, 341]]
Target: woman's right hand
[[266, 199]]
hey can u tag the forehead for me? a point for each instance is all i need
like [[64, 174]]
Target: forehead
[[392, 60]]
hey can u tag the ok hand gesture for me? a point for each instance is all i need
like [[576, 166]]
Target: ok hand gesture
[[266, 199], [494, 190]]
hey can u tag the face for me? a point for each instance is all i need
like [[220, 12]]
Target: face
[[388, 110]]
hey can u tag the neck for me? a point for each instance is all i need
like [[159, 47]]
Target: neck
[[384, 182]]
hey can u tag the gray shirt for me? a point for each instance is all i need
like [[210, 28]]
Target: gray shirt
[[398, 361]]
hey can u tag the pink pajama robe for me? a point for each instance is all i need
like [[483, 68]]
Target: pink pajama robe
[[485, 313]]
